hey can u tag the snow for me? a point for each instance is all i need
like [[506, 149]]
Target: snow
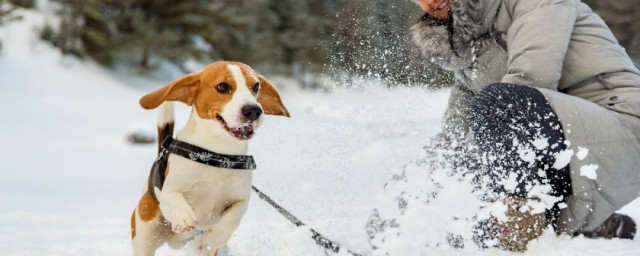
[[563, 158], [527, 154], [70, 180], [582, 153], [540, 143], [589, 171]]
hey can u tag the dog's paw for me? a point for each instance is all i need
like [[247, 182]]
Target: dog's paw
[[176, 211], [182, 221]]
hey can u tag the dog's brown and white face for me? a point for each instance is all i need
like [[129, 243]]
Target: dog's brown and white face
[[229, 93]]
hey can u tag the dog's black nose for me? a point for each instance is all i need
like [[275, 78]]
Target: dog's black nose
[[251, 112]]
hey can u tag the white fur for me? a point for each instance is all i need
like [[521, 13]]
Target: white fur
[[197, 198], [165, 113]]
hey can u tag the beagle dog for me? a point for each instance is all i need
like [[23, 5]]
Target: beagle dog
[[195, 200]]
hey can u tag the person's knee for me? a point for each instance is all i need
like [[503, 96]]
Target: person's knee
[[500, 93], [500, 97], [489, 104], [498, 108]]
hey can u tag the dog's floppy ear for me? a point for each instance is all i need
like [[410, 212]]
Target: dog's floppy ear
[[270, 100], [183, 89]]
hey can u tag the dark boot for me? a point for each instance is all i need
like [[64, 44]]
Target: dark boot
[[617, 225]]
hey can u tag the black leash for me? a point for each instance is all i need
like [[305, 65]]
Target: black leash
[[238, 162], [319, 238]]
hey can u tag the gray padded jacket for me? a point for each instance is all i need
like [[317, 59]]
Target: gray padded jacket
[[567, 51]]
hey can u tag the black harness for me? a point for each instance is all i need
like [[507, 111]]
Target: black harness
[[197, 154], [238, 162]]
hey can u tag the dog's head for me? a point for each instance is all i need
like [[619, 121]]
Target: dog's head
[[229, 93]]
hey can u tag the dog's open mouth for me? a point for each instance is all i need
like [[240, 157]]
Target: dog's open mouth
[[242, 133]]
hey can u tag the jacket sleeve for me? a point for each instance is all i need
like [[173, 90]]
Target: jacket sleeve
[[538, 40], [453, 141], [456, 123]]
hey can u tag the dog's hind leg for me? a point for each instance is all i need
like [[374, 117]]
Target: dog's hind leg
[[147, 236], [147, 231]]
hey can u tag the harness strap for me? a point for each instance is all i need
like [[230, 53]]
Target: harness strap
[[196, 154], [158, 173], [204, 156]]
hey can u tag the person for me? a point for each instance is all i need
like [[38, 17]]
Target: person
[[550, 101]]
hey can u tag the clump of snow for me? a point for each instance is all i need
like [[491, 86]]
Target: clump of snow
[[546, 201], [589, 171], [563, 159], [540, 143], [582, 153], [511, 182], [435, 209], [527, 155]]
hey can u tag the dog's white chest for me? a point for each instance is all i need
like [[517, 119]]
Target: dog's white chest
[[209, 190]]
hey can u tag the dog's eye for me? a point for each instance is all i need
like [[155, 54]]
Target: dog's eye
[[223, 88], [256, 87]]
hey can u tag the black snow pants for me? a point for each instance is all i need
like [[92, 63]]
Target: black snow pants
[[520, 136]]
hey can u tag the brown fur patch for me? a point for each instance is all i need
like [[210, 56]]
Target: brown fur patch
[[269, 99], [209, 102], [183, 89], [148, 208], [133, 224], [163, 132]]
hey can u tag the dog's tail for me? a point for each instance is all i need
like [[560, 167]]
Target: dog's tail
[[165, 122]]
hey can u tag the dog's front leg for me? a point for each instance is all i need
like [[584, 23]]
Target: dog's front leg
[[176, 210], [218, 235]]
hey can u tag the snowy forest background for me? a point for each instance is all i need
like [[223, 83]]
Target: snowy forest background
[[290, 37]]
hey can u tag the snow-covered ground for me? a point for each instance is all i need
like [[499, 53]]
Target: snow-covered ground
[[70, 179]]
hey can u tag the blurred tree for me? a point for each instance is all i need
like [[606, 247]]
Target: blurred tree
[[623, 17], [364, 38], [372, 40], [294, 33], [351, 38], [22, 3], [347, 33], [7, 10], [138, 31], [163, 29], [85, 28], [231, 33]]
